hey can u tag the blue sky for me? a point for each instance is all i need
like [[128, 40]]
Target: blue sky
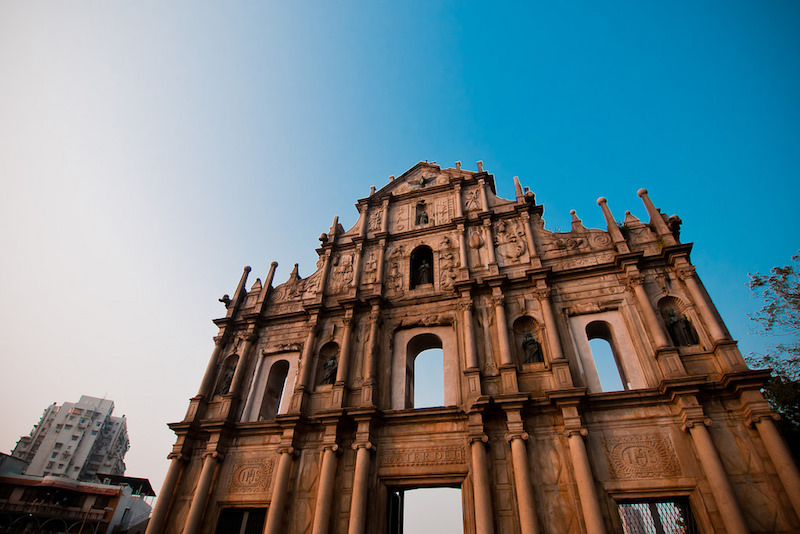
[[150, 150]]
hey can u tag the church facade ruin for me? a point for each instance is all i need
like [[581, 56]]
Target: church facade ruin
[[589, 383]]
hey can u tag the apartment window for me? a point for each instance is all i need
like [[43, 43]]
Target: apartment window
[[59, 427], [50, 465], [74, 438], [61, 466], [58, 446], [67, 427], [54, 455], [94, 432], [657, 516]]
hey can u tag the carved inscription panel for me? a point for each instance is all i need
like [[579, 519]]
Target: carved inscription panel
[[424, 456], [642, 456], [251, 477]]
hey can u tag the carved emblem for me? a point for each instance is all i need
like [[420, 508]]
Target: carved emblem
[[251, 477], [447, 264], [342, 272], [428, 456], [642, 456]]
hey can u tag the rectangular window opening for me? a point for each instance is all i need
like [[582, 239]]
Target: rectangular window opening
[[657, 516], [431, 510]]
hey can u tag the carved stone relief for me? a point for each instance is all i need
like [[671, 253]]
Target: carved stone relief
[[342, 274], [251, 477], [448, 263], [400, 218], [370, 268], [476, 247], [472, 200], [375, 219], [444, 210], [394, 274], [510, 241], [641, 456]]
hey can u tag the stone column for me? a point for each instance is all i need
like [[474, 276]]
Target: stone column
[[522, 479], [613, 229], [369, 358], [211, 371], [357, 266], [200, 496], [583, 475], [358, 505], [385, 220], [156, 523], [343, 366], [274, 523], [462, 247], [688, 275], [484, 197], [636, 282], [715, 473], [242, 366], [484, 520], [543, 295], [502, 326], [526, 224], [381, 260], [781, 458], [457, 195], [487, 234], [322, 510], [344, 353], [469, 333], [306, 364]]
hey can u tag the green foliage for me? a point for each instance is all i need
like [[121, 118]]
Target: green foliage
[[780, 317]]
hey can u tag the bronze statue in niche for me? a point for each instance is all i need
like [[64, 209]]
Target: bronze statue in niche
[[681, 330], [224, 385], [422, 214], [421, 266], [531, 349], [329, 359]]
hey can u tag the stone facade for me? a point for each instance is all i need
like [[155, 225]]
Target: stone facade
[[305, 423]]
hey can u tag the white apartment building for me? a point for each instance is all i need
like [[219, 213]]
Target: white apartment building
[[77, 441]]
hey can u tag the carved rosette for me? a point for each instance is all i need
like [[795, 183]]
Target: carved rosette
[[641, 456], [251, 477]]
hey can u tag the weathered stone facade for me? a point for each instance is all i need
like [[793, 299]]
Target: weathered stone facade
[[305, 420]]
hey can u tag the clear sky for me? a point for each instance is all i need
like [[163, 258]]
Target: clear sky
[[150, 150]]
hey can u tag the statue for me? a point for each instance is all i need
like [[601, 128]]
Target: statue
[[329, 370], [224, 385], [425, 272], [422, 217], [681, 330], [531, 349]]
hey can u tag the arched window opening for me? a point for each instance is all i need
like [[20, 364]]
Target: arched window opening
[[421, 266], [226, 376], [528, 341], [271, 404], [327, 364], [680, 328], [425, 372], [606, 359]]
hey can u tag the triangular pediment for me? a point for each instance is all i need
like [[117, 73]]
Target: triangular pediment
[[421, 176]]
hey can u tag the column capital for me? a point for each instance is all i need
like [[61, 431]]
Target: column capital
[[363, 445], [754, 418], [576, 430], [218, 456], [542, 293], [689, 423], [634, 280], [686, 272], [287, 449], [511, 436], [331, 447], [478, 437], [178, 456]]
